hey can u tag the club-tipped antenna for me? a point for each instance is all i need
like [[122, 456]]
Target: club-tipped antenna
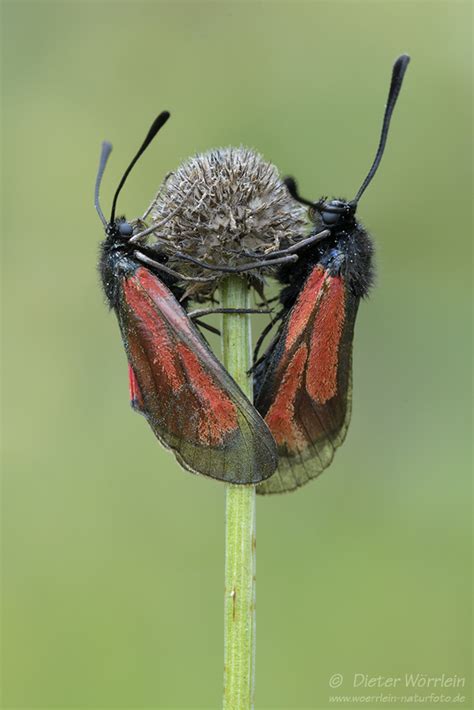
[[104, 156], [158, 123], [398, 72]]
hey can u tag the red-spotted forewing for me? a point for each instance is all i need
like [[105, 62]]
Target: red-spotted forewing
[[304, 391], [191, 403]]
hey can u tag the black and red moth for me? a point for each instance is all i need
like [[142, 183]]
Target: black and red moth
[[303, 381], [190, 401]]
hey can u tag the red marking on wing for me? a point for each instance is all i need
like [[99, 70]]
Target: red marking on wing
[[153, 331], [280, 417], [321, 375], [304, 306], [162, 296], [170, 371], [136, 399], [220, 414], [156, 289]]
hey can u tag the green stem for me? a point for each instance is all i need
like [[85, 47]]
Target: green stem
[[240, 541]]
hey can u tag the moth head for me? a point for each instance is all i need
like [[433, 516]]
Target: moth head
[[119, 229]]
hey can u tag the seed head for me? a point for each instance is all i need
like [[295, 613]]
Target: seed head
[[225, 203]]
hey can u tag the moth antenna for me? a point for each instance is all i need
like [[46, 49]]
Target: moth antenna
[[318, 237], [292, 188], [158, 123], [104, 156], [398, 72]]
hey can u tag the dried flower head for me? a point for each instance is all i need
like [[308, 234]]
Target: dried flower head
[[225, 207]]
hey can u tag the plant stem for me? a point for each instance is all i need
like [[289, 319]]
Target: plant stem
[[240, 541]]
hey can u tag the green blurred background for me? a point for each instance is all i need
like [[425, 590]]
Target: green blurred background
[[112, 581]]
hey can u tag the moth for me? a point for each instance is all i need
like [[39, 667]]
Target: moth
[[303, 381], [191, 403]]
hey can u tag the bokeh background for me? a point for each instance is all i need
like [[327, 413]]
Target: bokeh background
[[112, 584]]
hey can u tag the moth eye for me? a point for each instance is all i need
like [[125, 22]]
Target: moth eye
[[330, 217], [125, 229]]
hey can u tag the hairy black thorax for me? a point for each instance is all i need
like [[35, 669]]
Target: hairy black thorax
[[117, 261], [346, 252]]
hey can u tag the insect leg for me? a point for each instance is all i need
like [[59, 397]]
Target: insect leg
[[269, 300], [210, 328], [151, 262], [209, 311], [263, 335], [236, 269]]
